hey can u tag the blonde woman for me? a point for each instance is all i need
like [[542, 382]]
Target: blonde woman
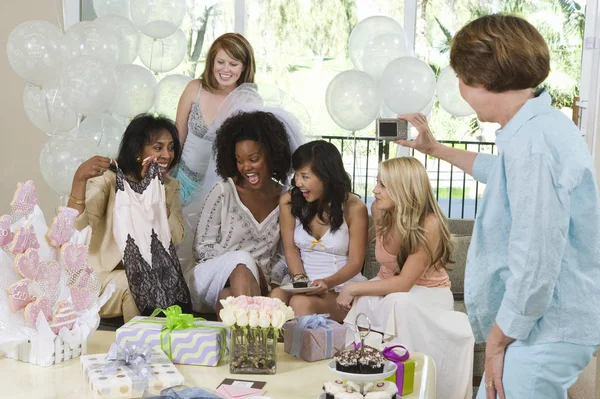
[[410, 301]]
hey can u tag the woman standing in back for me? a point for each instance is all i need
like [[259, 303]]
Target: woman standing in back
[[229, 64]]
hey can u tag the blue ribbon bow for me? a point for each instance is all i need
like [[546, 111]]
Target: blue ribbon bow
[[311, 322], [136, 358]]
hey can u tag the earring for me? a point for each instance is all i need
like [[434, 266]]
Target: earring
[[138, 159]]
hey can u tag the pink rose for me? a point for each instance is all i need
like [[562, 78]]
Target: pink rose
[[270, 305]]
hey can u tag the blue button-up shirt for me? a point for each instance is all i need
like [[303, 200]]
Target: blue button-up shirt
[[534, 261]]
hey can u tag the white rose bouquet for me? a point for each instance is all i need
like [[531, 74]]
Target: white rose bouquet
[[255, 323]]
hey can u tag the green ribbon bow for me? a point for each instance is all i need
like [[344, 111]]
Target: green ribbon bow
[[175, 319]]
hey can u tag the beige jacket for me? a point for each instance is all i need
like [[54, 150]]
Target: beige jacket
[[104, 254]]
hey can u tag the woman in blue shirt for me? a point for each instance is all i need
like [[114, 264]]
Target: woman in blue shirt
[[531, 284]]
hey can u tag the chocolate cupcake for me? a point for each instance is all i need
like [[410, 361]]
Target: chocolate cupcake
[[300, 281], [371, 362], [333, 387], [347, 361]]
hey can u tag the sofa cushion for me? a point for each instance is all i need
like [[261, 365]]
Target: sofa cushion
[[461, 227], [457, 269], [371, 267]]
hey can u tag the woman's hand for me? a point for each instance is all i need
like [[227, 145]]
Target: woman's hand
[[495, 348], [323, 288], [93, 167], [424, 142], [146, 164], [345, 298]]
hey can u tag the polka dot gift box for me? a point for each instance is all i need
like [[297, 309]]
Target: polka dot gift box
[[124, 382]]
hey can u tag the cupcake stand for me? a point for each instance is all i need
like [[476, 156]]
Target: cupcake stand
[[389, 367]]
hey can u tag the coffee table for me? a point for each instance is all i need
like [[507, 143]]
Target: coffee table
[[295, 378]]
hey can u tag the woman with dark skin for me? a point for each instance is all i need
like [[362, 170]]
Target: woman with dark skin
[[146, 139], [238, 233]]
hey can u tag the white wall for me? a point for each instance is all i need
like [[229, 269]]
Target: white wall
[[21, 142]]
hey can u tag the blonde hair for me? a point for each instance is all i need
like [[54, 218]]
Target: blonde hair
[[409, 188], [237, 47]]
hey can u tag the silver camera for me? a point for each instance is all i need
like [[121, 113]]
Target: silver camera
[[391, 129]]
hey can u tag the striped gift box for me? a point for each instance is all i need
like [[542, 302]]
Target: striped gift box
[[201, 345]]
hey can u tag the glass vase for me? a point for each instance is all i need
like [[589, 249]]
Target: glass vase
[[253, 350]]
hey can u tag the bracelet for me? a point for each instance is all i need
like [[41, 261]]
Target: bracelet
[[77, 201]]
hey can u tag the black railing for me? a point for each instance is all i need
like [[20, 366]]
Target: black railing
[[456, 192]]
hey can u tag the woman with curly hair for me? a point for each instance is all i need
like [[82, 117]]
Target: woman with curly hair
[[236, 242], [323, 229], [410, 301]]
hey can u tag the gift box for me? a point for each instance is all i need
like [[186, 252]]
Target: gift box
[[404, 377], [201, 343], [109, 379], [314, 337], [46, 353]]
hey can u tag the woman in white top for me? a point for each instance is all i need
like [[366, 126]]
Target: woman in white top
[[323, 229], [238, 233]]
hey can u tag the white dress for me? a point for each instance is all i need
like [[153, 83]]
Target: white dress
[[228, 235], [424, 320], [198, 152], [142, 233], [325, 257]]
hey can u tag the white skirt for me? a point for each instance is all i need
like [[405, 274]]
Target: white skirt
[[424, 320], [206, 280]]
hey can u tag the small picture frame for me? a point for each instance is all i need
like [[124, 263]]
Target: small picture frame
[[391, 129]]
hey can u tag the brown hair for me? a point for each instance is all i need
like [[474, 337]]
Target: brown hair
[[238, 48], [500, 53]]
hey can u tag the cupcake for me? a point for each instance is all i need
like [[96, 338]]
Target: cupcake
[[366, 361], [382, 390], [333, 387], [348, 394], [371, 362], [347, 361], [300, 280], [379, 395], [356, 386]]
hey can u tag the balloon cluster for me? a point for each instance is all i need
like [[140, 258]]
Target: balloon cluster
[[388, 79], [86, 73]]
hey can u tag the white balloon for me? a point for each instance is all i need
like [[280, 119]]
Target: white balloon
[[163, 55], [60, 158], [427, 110], [388, 113], [381, 50], [158, 18], [136, 91], [88, 85], [37, 51], [365, 31], [47, 110], [353, 100], [106, 7], [93, 40], [449, 94], [127, 35], [168, 93], [104, 131], [407, 85]]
